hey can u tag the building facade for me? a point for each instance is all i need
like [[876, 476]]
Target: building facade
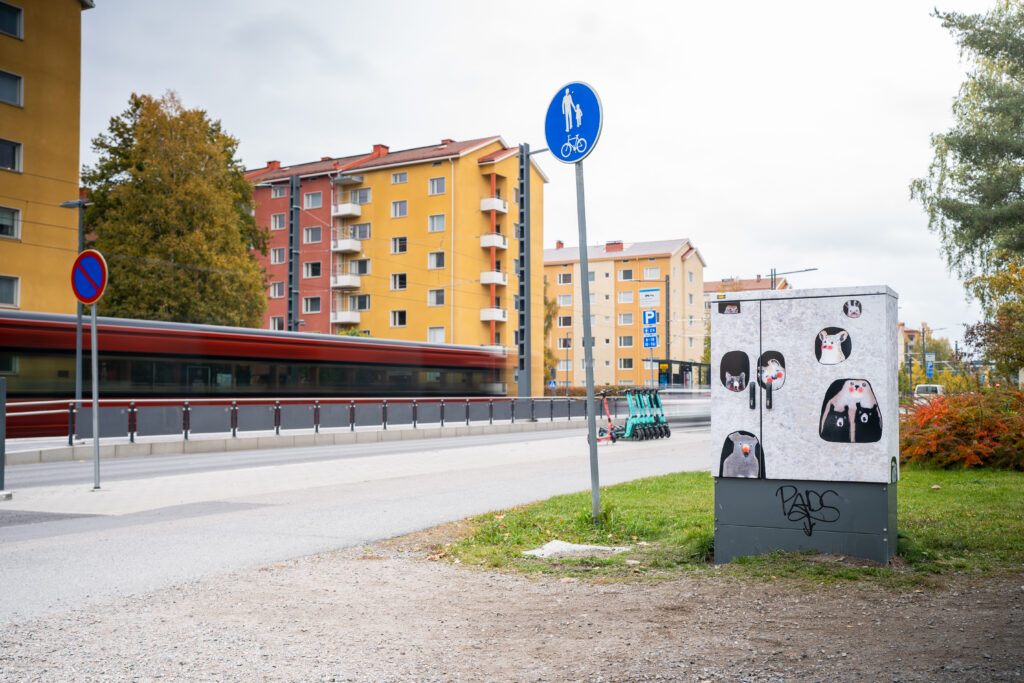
[[417, 244], [624, 279], [40, 85]]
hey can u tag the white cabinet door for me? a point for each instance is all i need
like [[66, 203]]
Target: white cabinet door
[[826, 421], [736, 411]]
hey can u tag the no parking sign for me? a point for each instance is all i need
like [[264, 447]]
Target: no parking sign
[[89, 276]]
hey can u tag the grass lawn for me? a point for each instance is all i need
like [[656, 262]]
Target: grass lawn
[[949, 521]]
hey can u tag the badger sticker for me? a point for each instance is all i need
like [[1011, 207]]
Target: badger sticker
[[741, 457], [832, 346], [850, 413]]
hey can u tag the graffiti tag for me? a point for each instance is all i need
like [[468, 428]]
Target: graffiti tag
[[807, 506]]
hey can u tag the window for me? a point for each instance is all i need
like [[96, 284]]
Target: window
[[565, 299], [311, 269], [359, 302], [360, 231], [9, 290], [689, 321], [625, 318], [435, 223], [564, 365], [593, 298], [399, 178], [312, 200], [652, 273], [437, 185], [398, 281], [435, 260], [565, 321], [625, 341], [691, 342], [435, 335], [311, 304], [277, 322], [312, 235], [277, 221], [564, 342], [625, 297], [689, 276], [399, 209], [399, 245], [626, 382], [625, 274], [591, 275], [278, 191], [277, 256], [10, 222], [689, 298], [435, 297], [360, 196], [10, 20], [397, 318], [10, 88], [565, 278], [276, 290], [10, 155], [359, 266], [625, 364]]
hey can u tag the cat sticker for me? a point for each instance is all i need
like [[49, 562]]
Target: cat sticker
[[852, 308], [850, 413], [771, 370], [729, 307], [832, 346], [734, 371], [741, 457]]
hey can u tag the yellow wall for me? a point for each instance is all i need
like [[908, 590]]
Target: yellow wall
[[48, 58]]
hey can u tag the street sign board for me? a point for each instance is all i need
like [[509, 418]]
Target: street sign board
[[89, 276], [649, 317], [653, 329], [552, 384], [929, 369], [929, 356], [650, 298], [573, 122], [651, 341]]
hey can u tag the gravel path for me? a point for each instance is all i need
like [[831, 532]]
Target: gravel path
[[386, 614]]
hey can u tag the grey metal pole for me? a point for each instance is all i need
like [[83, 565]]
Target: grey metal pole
[[78, 326], [588, 351], [95, 406], [668, 338], [3, 436], [292, 319]]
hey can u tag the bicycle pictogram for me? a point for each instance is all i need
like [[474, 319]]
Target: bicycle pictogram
[[574, 143]]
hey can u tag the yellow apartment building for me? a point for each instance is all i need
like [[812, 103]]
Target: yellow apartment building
[[666, 277], [40, 76], [417, 244]]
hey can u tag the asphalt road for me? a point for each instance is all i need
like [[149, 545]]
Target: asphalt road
[[159, 521]]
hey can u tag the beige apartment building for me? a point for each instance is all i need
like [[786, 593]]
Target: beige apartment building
[[627, 278]]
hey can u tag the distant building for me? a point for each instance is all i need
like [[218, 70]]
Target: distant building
[[40, 76], [618, 273], [415, 244]]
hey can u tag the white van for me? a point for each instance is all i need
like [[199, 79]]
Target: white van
[[927, 390]]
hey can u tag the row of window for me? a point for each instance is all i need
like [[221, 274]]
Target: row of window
[[625, 297], [624, 364], [435, 261], [356, 231], [625, 275], [11, 88], [315, 200], [435, 297]]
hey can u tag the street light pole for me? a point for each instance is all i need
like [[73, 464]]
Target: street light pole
[[80, 205], [568, 364]]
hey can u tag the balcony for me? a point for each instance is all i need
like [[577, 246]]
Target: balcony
[[346, 210], [493, 277], [345, 317], [346, 245], [494, 239], [494, 204], [345, 281], [498, 314]]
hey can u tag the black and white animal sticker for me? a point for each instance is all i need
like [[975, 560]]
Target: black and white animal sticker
[[741, 457], [832, 346], [734, 370], [771, 370], [852, 308], [849, 413]]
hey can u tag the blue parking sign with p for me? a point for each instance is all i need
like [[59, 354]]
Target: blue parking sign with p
[[650, 317]]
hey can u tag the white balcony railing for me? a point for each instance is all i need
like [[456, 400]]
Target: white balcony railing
[[494, 204], [345, 281], [346, 210], [346, 246], [494, 277], [345, 317], [498, 314], [494, 239]]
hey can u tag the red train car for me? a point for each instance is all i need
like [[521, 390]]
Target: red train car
[[142, 359]]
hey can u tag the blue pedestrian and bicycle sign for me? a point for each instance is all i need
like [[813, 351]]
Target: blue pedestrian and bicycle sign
[[573, 122], [89, 276]]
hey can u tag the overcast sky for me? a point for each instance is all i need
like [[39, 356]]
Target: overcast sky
[[772, 134]]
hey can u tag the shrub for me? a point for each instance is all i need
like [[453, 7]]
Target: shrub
[[979, 429]]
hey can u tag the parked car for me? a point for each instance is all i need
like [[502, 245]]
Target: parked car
[[928, 390]]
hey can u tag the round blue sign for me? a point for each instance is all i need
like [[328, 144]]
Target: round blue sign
[[89, 276], [573, 122]]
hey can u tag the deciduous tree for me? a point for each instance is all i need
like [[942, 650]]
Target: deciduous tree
[[171, 214]]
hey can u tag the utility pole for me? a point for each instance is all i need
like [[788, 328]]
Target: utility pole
[[293, 254], [522, 234]]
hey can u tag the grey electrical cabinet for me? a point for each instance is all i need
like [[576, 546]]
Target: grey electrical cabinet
[[804, 421]]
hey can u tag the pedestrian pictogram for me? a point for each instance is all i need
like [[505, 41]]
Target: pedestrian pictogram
[[89, 276], [573, 122]]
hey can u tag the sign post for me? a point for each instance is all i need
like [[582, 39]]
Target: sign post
[[88, 282], [572, 127]]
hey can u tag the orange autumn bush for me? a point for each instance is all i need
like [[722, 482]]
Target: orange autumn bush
[[978, 429]]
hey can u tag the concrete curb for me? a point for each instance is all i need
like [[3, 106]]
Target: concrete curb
[[180, 446]]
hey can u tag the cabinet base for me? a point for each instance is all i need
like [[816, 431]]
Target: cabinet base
[[757, 516]]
